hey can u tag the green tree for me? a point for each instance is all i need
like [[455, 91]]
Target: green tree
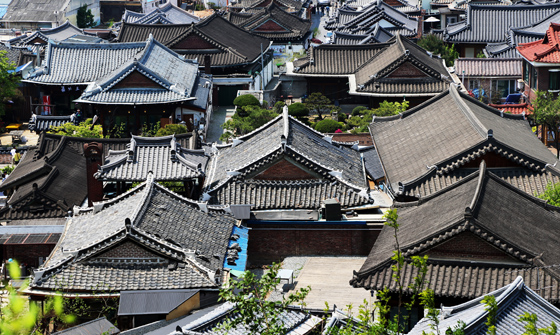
[[492, 308], [359, 110], [531, 325], [319, 104], [390, 108], [327, 126], [298, 109], [84, 129], [246, 100], [437, 46], [257, 314], [84, 17], [240, 125], [546, 112], [9, 82], [551, 194], [171, 129]]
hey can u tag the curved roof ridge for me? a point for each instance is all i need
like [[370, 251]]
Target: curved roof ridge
[[475, 122]]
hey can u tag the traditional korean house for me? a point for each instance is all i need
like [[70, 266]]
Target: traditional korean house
[[409, 7], [443, 140], [489, 24], [376, 22], [479, 234], [161, 156], [63, 32], [40, 123], [290, 6], [235, 59], [164, 14], [128, 85], [286, 30], [146, 239], [512, 301], [370, 74]]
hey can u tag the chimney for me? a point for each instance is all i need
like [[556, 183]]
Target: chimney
[[179, 3], [93, 152], [207, 64], [38, 50]]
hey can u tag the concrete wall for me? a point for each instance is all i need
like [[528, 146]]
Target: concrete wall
[[294, 86]]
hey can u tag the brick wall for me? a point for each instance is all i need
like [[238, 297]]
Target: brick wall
[[128, 249], [284, 170], [468, 246], [273, 242], [407, 70], [27, 253]]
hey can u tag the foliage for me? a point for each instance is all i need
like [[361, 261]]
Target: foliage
[[9, 81], [531, 325], [111, 23], [390, 108], [492, 309], [315, 32], [480, 55], [240, 125], [246, 100], [341, 117], [151, 131], [278, 106], [84, 17], [359, 110], [298, 109], [8, 169], [546, 111], [171, 129], [16, 317], [551, 194], [255, 312], [318, 104], [84, 129], [327, 126], [437, 46]]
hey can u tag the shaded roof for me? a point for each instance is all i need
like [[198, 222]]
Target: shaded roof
[[337, 168], [152, 301], [488, 67], [292, 6], [97, 326], [183, 244], [13, 54], [512, 301], [39, 123], [490, 24], [294, 319], [34, 11], [545, 50], [60, 33], [293, 27], [449, 131], [166, 14], [162, 156], [236, 47], [46, 234], [521, 227], [172, 74]]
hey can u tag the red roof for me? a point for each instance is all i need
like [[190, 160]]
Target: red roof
[[545, 50], [514, 108]]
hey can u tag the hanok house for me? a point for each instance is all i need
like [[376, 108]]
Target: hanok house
[[285, 173], [146, 239], [291, 6], [512, 300], [164, 14], [498, 77], [286, 30], [131, 85], [234, 59], [479, 234], [376, 22], [164, 157], [487, 24], [41, 123], [394, 71], [444, 139]]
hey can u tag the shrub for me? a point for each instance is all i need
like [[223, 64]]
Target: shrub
[[342, 117], [246, 100], [278, 107], [327, 126], [358, 110], [171, 129], [298, 109]]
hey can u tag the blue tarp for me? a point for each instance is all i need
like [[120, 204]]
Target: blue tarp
[[243, 241], [3, 10]]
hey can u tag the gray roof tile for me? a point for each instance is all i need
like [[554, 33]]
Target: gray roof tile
[[167, 14], [488, 67], [39, 123]]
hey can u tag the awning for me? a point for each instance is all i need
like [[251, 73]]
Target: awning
[[152, 301]]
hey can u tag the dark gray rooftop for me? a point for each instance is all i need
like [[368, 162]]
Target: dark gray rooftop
[[97, 326], [152, 301], [34, 11], [40, 123], [166, 14]]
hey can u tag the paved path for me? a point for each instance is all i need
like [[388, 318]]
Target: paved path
[[329, 279], [219, 116]]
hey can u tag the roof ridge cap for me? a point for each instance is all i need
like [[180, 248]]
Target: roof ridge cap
[[478, 190], [475, 122]]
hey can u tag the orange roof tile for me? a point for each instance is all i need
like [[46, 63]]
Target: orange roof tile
[[513, 108], [545, 50]]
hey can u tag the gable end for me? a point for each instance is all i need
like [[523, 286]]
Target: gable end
[[137, 80]]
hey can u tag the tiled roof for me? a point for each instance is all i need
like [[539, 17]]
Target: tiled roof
[[235, 48], [448, 131], [378, 35], [184, 244], [39, 123], [512, 301], [294, 320], [174, 75], [292, 6], [545, 50], [294, 27], [490, 24], [34, 11], [166, 14], [163, 156], [59, 33], [338, 168], [519, 225], [514, 108], [97, 326], [83, 63], [488, 67], [12, 54]]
